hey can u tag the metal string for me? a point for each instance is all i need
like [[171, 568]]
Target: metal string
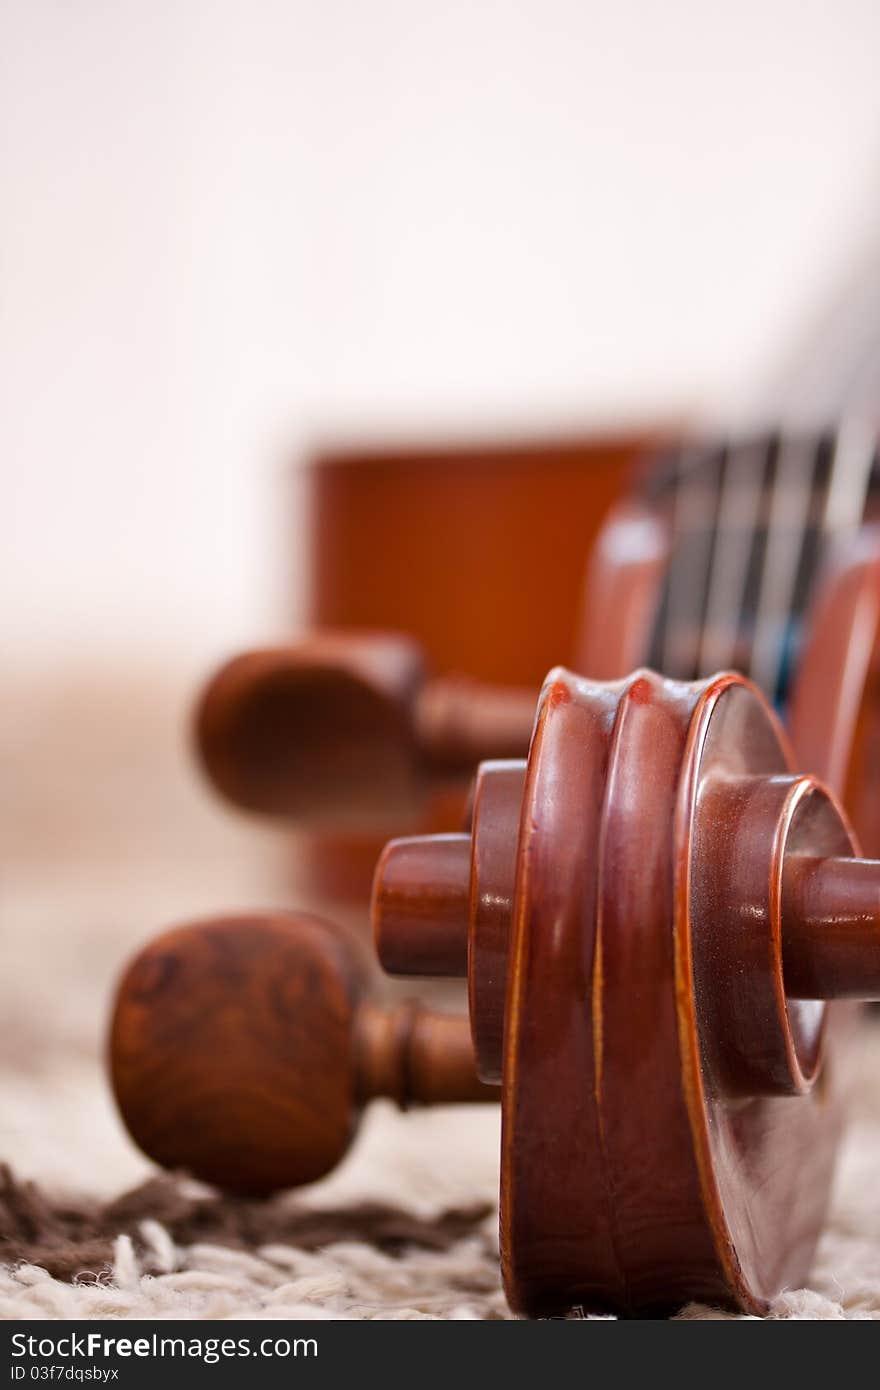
[[790, 501], [695, 504], [739, 510]]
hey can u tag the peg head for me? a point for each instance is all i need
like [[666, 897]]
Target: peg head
[[232, 1050], [320, 731]]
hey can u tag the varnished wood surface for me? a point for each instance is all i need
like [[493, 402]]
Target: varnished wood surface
[[230, 1052], [243, 1049], [444, 544], [835, 708], [682, 904], [350, 729]]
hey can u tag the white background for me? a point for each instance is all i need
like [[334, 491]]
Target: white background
[[231, 227]]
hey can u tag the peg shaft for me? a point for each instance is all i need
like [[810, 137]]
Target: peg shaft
[[831, 928], [421, 894], [460, 722], [415, 1056]]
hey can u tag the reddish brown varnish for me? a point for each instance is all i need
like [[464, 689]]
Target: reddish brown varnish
[[444, 543], [673, 908], [243, 1049], [348, 728], [835, 711], [661, 924]]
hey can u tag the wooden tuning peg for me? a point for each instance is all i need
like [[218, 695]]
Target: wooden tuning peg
[[342, 728], [659, 921], [243, 1049]]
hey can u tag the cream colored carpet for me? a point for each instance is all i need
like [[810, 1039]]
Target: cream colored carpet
[[404, 1229]]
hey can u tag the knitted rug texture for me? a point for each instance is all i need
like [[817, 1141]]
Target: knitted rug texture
[[392, 1235]]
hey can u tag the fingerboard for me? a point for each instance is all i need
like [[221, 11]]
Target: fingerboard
[[750, 525]]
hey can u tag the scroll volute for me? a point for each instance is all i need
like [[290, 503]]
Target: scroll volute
[[673, 917]]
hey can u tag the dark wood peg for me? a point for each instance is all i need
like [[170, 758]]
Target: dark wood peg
[[342, 728], [243, 1049]]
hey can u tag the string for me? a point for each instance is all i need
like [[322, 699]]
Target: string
[[694, 518], [749, 527], [790, 500], [849, 480], [738, 512]]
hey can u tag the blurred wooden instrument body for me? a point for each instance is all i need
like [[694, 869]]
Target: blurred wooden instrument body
[[759, 556], [439, 544]]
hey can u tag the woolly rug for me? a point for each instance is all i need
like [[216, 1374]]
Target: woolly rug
[[406, 1227]]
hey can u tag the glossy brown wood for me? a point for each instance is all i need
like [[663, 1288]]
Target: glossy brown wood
[[443, 543], [322, 726], [831, 928], [835, 708], [494, 828], [423, 885], [682, 906], [348, 728], [622, 583], [243, 1049]]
